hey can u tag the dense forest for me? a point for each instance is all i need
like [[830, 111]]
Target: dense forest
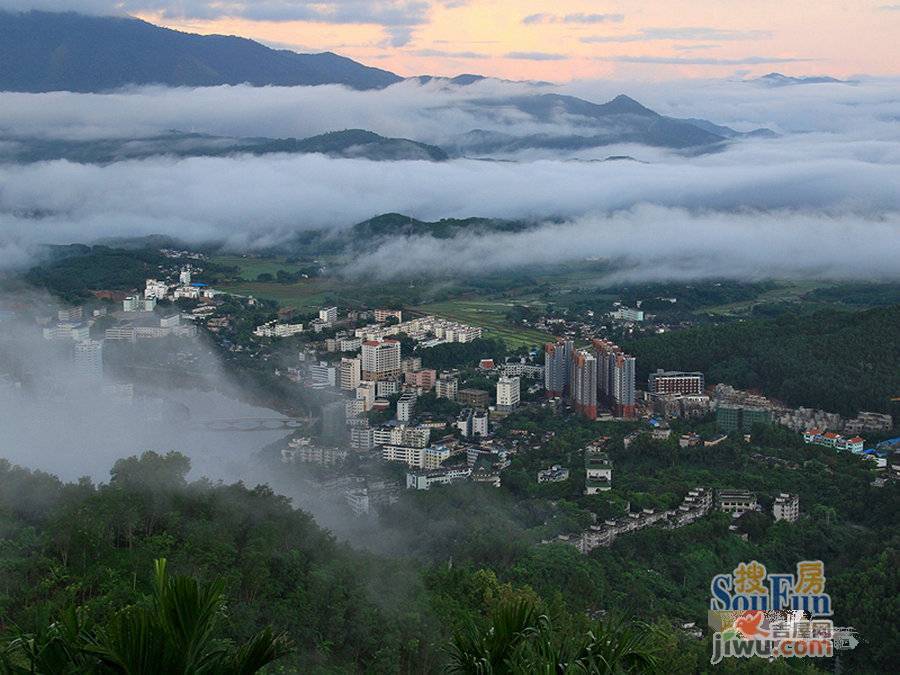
[[422, 590], [73, 272], [73, 277], [837, 361]]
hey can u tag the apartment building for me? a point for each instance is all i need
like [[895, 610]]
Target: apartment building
[[380, 359], [736, 502], [675, 382], [508, 393], [786, 507]]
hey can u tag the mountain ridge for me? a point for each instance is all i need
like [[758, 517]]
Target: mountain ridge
[[51, 51], [347, 143]]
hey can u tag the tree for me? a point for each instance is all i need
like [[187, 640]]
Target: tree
[[519, 640], [172, 631]]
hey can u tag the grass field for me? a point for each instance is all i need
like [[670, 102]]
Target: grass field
[[250, 267], [303, 296], [491, 316]]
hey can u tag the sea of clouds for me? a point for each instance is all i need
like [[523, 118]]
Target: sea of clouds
[[821, 200]]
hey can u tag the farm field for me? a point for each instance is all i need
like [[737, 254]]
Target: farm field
[[788, 291]]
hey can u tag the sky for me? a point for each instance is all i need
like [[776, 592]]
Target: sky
[[557, 41]]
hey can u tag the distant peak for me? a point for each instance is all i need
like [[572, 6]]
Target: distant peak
[[626, 104]]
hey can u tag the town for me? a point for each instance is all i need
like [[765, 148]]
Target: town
[[371, 408]]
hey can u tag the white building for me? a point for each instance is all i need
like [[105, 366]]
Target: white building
[[446, 387], [380, 359], [185, 277], [402, 435], [171, 321], [627, 314], [68, 331], [322, 375], [354, 407], [419, 458], [156, 289], [366, 392], [555, 474], [273, 329], [508, 393], [70, 314], [120, 333], [473, 423], [426, 479], [786, 507], [328, 315], [598, 472], [362, 438], [480, 423], [385, 388], [358, 501], [736, 502], [89, 358], [351, 373], [406, 406], [349, 344]]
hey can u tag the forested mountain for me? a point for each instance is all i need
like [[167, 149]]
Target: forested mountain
[[620, 120], [44, 51], [349, 143], [837, 361], [451, 561]]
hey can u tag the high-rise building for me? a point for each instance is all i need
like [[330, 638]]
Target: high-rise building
[[351, 373], [380, 359], [406, 406], [557, 360], [89, 359], [508, 393], [623, 385], [675, 382], [615, 377], [583, 383]]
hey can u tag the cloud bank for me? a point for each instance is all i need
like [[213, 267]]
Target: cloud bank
[[822, 200]]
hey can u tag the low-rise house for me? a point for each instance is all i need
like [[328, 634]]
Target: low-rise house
[[555, 474], [426, 479]]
